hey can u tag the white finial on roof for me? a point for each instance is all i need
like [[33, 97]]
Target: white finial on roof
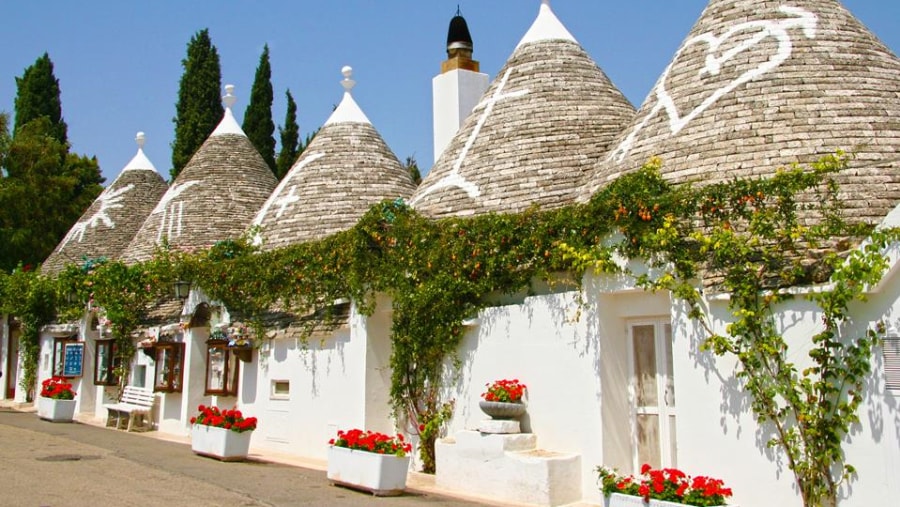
[[228, 125], [348, 110], [546, 27], [229, 99], [347, 83], [139, 161]]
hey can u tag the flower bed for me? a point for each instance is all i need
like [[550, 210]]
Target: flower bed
[[369, 461], [508, 391], [57, 388], [232, 419], [221, 434], [668, 485], [57, 400]]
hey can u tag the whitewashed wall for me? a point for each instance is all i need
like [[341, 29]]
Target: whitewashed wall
[[338, 380], [557, 348], [717, 434]]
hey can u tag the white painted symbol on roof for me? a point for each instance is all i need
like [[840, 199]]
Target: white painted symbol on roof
[[454, 179], [777, 29], [285, 201], [172, 212], [109, 199]]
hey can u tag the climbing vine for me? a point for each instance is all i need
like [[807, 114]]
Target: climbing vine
[[750, 238], [31, 298], [753, 240]]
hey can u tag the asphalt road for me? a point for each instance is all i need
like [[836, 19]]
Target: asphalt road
[[70, 465]]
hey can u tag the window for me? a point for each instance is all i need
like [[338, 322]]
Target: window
[[221, 369], [59, 354], [139, 375], [281, 390], [106, 363], [169, 367]]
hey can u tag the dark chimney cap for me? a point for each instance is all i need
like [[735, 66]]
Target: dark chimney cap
[[458, 36]]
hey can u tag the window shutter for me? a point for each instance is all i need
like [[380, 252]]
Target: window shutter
[[892, 363]]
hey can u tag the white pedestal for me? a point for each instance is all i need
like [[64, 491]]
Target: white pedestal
[[507, 467], [499, 427]]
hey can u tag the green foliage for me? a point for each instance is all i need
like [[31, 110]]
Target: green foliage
[[258, 123], [46, 190], [290, 137], [754, 239], [37, 96], [750, 238], [431, 426], [199, 108], [31, 297], [412, 167]]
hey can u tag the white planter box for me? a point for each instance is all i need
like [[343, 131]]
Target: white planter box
[[380, 474], [55, 410], [619, 500], [219, 443]]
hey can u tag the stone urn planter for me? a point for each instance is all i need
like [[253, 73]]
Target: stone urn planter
[[54, 410], [219, 443], [379, 474], [502, 410]]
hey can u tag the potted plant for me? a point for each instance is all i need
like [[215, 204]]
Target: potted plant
[[503, 399], [57, 400], [661, 488], [370, 461], [221, 434]]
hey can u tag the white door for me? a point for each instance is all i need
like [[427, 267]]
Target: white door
[[652, 391]]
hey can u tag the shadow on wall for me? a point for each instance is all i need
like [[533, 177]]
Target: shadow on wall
[[545, 323]]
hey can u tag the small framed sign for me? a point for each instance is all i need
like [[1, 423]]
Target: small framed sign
[[74, 359]]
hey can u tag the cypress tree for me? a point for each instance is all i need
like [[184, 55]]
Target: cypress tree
[[412, 166], [290, 138], [199, 108], [37, 95], [258, 124]]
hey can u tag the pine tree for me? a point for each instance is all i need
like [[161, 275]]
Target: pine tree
[[258, 124], [37, 95], [46, 189], [290, 138], [199, 108]]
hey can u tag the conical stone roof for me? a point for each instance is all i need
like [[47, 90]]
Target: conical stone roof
[[759, 84], [111, 222], [541, 126], [214, 198], [346, 169]]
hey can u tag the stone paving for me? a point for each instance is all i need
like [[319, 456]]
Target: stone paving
[[47, 464]]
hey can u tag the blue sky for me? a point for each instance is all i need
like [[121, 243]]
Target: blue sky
[[119, 62]]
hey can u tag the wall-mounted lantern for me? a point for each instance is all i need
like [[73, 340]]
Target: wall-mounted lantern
[[182, 289]]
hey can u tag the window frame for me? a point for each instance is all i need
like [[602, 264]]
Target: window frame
[[231, 378], [171, 384], [114, 362], [57, 367]]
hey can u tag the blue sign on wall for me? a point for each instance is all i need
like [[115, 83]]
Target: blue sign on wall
[[74, 360]]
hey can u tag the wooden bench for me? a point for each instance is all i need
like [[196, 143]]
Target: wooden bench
[[135, 403]]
